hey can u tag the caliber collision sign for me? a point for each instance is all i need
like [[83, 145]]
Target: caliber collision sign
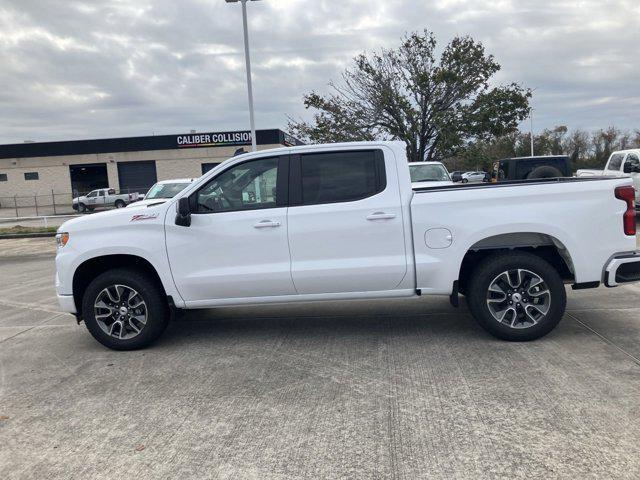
[[214, 139]]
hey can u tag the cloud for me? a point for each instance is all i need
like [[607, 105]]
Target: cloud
[[89, 69]]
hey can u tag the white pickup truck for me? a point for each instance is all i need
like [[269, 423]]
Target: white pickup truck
[[163, 191], [332, 222], [429, 174], [623, 163], [103, 198]]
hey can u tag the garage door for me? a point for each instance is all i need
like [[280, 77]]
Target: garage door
[[87, 177], [137, 176]]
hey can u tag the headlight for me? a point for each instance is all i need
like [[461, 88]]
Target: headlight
[[62, 239]]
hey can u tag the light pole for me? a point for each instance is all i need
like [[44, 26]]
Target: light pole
[[247, 60], [531, 129]]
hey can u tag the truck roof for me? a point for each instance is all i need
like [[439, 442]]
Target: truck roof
[[628, 150], [393, 144], [176, 180]]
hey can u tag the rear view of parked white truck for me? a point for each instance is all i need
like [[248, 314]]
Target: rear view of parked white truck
[[623, 163], [330, 222]]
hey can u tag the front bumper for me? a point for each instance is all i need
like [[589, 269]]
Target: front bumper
[[67, 303], [65, 299], [622, 268]]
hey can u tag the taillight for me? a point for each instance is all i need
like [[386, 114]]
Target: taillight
[[628, 194]]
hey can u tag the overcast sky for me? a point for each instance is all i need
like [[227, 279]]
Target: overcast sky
[[72, 69]]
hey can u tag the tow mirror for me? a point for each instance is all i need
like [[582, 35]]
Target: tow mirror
[[183, 215]]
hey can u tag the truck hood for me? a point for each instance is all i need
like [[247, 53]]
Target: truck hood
[[144, 203], [120, 218]]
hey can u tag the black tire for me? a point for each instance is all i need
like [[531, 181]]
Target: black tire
[[157, 310], [120, 204], [489, 270], [91, 209], [82, 208], [545, 171], [465, 180]]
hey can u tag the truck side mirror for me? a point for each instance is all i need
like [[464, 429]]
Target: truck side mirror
[[456, 177], [183, 215]]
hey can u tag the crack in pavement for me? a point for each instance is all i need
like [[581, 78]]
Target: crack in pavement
[[635, 359]]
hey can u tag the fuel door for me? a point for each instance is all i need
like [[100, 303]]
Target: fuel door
[[438, 238]]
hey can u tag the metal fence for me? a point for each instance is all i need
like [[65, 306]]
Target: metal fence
[[53, 203]]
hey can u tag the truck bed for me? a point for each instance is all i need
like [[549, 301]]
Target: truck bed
[[512, 183], [577, 215]]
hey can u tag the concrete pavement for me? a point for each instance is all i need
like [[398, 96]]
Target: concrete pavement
[[383, 389]]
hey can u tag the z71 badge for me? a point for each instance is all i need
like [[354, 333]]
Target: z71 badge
[[144, 216]]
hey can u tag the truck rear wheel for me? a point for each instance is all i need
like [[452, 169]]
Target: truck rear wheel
[[120, 204], [516, 296], [124, 309]]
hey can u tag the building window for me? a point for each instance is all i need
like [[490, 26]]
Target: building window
[[31, 176], [3, 177]]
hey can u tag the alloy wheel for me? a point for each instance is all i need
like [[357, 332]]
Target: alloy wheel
[[120, 311], [518, 298]]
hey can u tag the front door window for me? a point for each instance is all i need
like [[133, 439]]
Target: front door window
[[248, 186]]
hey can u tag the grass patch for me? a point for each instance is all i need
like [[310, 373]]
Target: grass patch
[[19, 229]]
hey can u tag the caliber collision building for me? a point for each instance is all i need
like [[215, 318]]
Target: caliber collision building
[[126, 164]]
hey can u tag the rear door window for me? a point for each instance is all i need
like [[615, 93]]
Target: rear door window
[[341, 176]]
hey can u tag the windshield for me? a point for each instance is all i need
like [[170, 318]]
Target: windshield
[[165, 190], [428, 173]]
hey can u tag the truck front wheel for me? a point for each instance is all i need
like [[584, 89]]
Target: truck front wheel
[[516, 296], [124, 309]]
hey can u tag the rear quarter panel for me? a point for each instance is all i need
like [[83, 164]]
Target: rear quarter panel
[[585, 217]]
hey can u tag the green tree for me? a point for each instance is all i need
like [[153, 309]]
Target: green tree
[[437, 106]]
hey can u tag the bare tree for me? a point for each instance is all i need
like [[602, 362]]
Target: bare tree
[[576, 145]]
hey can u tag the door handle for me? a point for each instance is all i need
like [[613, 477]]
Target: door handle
[[381, 216], [266, 224]]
